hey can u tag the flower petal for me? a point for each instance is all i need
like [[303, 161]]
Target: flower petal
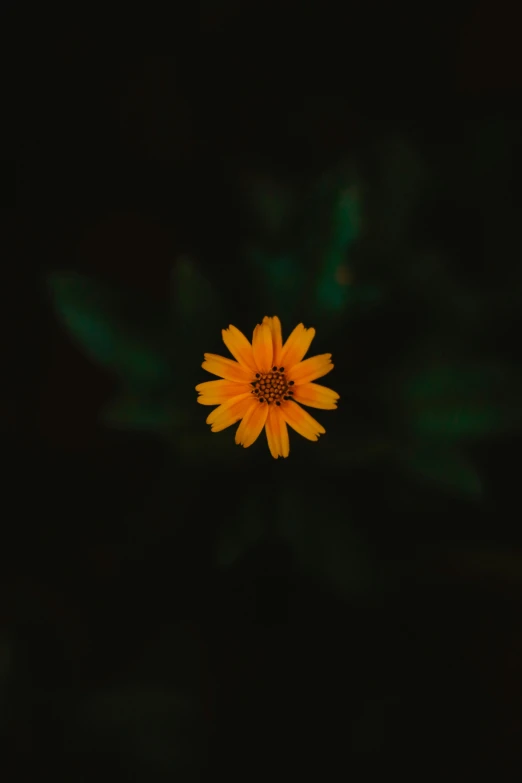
[[239, 347], [253, 422], [310, 369], [274, 325], [229, 412], [263, 349], [283, 439], [301, 421], [296, 346], [272, 433], [226, 368], [316, 396], [212, 387], [216, 392], [277, 433]]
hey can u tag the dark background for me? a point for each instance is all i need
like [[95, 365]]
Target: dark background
[[175, 607]]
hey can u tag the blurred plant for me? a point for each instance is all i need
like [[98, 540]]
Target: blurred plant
[[449, 406], [302, 254], [144, 348], [464, 401], [365, 252], [114, 330]]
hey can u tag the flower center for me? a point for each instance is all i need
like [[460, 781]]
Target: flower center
[[272, 387]]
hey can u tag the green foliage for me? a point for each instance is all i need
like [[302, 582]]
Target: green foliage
[[127, 336], [334, 284], [272, 204], [132, 412], [313, 261], [306, 260], [280, 280], [105, 326], [194, 301], [445, 468], [454, 402]]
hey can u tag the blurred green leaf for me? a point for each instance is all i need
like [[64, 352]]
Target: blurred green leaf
[[335, 284], [281, 279], [316, 231], [131, 412], [272, 203], [452, 401], [458, 422], [194, 298], [443, 379], [114, 335], [445, 467]]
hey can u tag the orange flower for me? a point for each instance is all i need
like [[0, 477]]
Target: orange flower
[[263, 387]]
